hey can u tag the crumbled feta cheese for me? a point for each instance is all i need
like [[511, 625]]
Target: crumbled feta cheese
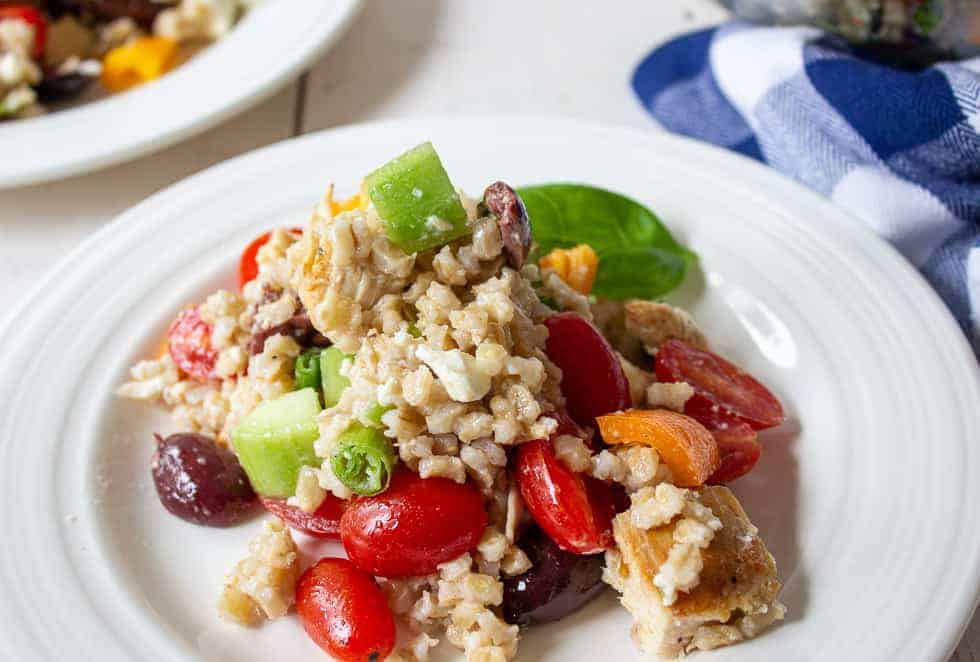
[[458, 371], [669, 395]]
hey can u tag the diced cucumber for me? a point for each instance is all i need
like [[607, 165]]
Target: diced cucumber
[[416, 201], [276, 440], [334, 383]]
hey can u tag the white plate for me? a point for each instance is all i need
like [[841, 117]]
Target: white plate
[[270, 44], [867, 497]]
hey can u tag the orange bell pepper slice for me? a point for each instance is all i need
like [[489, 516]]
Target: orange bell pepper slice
[[137, 62], [576, 266], [687, 448]]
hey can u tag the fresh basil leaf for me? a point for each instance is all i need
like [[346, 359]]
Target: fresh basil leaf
[[638, 273], [638, 257]]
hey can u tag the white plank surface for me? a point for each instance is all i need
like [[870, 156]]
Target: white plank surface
[[400, 58]]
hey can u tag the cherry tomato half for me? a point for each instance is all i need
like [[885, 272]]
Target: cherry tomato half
[[592, 380], [413, 526], [738, 442], [740, 450], [33, 17], [344, 611], [324, 522], [719, 382], [574, 510], [189, 343], [248, 268]]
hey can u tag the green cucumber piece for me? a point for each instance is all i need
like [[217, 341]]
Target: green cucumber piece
[[334, 383], [416, 201], [276, 440]]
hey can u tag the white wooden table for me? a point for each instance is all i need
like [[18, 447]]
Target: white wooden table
[[400, 58]]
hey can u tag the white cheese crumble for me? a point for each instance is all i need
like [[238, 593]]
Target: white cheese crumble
[[458, 371]]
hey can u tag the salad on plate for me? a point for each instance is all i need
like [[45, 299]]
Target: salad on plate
[[56, 51], [483, 401]]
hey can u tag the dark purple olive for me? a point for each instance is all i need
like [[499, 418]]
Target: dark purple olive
[[54, 88], [515, 228], [558, 583], [298, 326], [199, 481], [141, 11]]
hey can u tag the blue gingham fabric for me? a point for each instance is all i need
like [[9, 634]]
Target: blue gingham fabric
[[899, 149]]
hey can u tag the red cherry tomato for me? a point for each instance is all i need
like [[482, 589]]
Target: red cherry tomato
[[248, 268], [324, 522], [592, 380], [344, 611], [738, 443], [33, 17], [189, 343], [413, 526], [739, 448], [575, 511], [719, 382]]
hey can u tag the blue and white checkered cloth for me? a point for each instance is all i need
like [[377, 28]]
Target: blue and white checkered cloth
[[899, 149]]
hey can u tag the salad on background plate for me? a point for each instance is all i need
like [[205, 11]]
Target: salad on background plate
[[483, 401], [56, 51]]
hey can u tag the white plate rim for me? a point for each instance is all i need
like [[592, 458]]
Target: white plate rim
[[942, 643], [41, 159]]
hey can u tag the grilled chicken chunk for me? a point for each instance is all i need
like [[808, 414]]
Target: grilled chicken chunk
[[733, 600]]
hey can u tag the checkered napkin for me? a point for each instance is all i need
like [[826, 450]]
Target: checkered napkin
[[899, 149]]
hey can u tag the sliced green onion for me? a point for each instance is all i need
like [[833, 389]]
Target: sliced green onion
[[376, 411], [307, 369], [363, 460]]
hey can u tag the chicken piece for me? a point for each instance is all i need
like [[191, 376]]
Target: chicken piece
[[341, 268], [734, 599], [655, 323], [609, 318]]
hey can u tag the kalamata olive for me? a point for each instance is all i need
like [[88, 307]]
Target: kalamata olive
[[298, 326], [56, 88], [199, 481], [515, 228], [141, 11], [558, 583]]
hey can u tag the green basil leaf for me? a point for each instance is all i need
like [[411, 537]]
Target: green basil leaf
[[638, 273], [638, 257]]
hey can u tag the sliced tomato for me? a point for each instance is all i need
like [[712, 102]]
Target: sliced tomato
[[593, 381], [719, 382], [574, 510], [324, 522], [32, 17], [740, 451], [189, 343], [738, 443], [248, 267]]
